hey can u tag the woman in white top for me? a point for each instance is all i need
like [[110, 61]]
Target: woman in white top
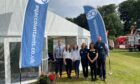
[[68, 60], [76, 59]]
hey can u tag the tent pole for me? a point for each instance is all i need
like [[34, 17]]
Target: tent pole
[[47, 70], [7, 62], [110, 73]]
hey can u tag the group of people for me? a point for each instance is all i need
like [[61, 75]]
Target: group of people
[[71, 56], [68, 56]]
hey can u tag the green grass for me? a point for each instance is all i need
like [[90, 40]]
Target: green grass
[[125, 67]]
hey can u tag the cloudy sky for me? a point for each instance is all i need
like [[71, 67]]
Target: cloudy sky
[[72, 8]]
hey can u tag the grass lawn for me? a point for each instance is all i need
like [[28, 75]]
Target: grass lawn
[[125, 68]]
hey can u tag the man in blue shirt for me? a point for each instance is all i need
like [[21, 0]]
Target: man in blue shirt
[[58, 57]]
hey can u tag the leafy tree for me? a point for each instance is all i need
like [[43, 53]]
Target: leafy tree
[[80, 20], [107, 9], [112, 21], [113, 24], [130, 14]]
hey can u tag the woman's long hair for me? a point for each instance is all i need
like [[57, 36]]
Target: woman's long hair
[[83, 46], [68, 48], [90, 45], [75, 48]]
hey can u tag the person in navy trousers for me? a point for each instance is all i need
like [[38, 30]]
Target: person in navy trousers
[[102, 52], [84, 59], [58, 58]]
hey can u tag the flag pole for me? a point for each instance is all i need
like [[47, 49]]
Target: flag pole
[[20, 74], [110, 73]]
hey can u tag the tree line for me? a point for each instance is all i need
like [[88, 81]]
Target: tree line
[[117, 18]]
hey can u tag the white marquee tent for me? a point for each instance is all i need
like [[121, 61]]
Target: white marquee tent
[[11, 24]]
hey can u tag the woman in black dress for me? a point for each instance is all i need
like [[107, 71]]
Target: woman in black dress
[[92, 57]]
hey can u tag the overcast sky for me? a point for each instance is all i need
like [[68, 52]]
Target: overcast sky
[[72, 8]]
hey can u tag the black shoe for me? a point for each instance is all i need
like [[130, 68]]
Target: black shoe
[[70, 77], [104, 80], [94, 79], [77, 77], [100, 78], [86, 78]]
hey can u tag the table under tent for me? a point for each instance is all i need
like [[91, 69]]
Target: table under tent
[[11, 24]]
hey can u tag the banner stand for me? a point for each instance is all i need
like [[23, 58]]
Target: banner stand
[[33, 31], [20, 74]]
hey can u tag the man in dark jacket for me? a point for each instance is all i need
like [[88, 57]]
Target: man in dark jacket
[[102, 52]]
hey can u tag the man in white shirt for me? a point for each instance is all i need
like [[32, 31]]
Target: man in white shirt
[[58, 57]]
